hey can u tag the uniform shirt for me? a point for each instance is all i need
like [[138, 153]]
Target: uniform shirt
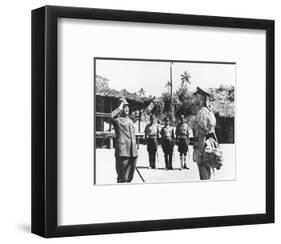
[[205, 123], [151, 130], [182, 130], [125, 135], [167, 132]]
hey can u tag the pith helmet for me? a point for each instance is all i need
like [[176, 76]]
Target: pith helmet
[[124, 101]]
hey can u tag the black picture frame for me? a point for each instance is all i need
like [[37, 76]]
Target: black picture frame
[[45, 131]]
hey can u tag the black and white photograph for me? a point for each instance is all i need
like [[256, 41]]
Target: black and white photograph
[[160, 121]]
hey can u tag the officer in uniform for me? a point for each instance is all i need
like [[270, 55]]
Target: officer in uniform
[[151, 135], [182, 139], [205, 123], [125, 149], [168, 137]]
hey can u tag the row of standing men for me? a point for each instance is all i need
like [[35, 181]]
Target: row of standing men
[[169, 138]]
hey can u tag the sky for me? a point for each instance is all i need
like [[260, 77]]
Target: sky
[[153, 76]]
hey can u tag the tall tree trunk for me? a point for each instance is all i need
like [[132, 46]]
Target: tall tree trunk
[[171, 81]]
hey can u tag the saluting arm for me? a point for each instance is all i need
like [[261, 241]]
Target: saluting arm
[[116, 113]]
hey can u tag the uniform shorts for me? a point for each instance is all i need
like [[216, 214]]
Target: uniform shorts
[[183, 145], [167, 146]]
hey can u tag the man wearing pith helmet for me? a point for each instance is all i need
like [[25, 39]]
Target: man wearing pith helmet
[[125, 149], [205, 123]]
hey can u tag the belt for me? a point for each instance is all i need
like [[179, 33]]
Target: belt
[[152, 136], [167, 138], [183, 136]]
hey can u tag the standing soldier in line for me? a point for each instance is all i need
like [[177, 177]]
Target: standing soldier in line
[[182, 139], [205, 123], [125, 148], [151, 136], [168, 137]]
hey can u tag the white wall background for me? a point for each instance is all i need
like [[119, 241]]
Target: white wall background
[[15, 121]]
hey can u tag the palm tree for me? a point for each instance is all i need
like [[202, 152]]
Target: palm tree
[[169, 85], [185, 78], [141, 92]]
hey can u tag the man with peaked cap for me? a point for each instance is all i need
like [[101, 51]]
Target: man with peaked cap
[[168, 137], [125, 149], [205, 123], [151, 135], [182, 139]]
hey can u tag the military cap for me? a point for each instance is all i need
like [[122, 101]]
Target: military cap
[[202, 92], [124, 101]]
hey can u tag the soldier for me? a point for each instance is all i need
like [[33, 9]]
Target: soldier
[[151, 136], [182, 139], [168, 137], [125, 148], [205, 123]]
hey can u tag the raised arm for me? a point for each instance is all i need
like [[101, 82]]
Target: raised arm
[[116, 113]]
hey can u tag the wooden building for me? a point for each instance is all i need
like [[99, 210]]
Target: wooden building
[[108, 100], [225, 129]]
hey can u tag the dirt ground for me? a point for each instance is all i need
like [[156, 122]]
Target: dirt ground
[[106, 174]]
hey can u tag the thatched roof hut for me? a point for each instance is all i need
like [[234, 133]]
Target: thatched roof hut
[[223, 105], [222, 101], [223, 109]]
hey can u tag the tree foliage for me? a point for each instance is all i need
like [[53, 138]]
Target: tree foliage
[[101, 83], [183, 100], [222, 100], [185, 78], [141, 92]]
